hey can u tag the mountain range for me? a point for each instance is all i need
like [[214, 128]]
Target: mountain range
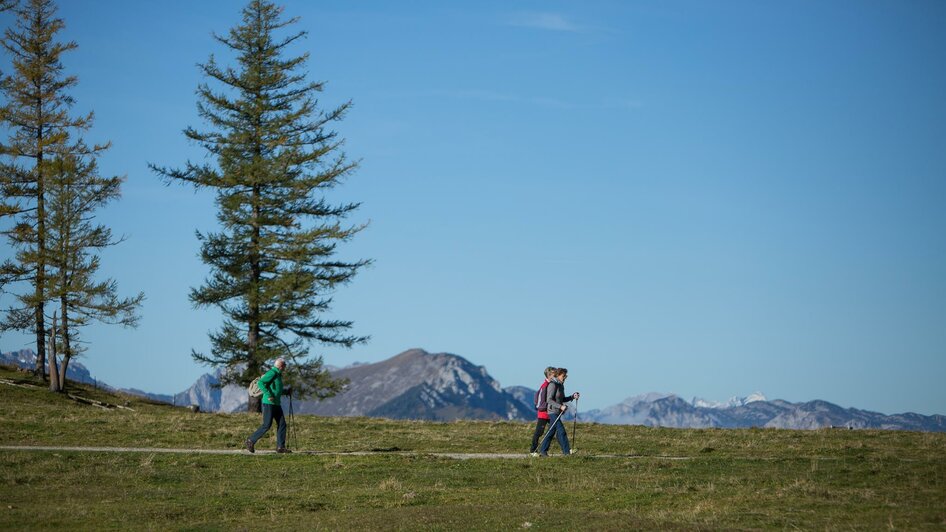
[[26, 358], [669, 410], [441, 386]]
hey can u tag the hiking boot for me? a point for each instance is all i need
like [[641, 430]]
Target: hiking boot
[[533, 454], [249, 445], [283, 450]]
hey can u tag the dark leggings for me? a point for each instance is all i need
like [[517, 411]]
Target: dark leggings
[[540, 425], [272, 413]]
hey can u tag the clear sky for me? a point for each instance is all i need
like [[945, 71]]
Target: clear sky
[[705, 198]]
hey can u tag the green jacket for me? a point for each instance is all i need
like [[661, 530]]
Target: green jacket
[[271, 384]]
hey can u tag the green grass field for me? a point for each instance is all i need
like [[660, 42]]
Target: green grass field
[[624, 477]]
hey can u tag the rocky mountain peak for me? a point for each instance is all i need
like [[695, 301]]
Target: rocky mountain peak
[[421, 385], [733, 401]]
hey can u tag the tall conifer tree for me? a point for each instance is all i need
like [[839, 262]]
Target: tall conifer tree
[[76, 191], [53, 197], [272, 262], [36, 114]]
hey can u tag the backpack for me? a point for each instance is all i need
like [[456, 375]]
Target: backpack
[[253, 389], [540, 398]]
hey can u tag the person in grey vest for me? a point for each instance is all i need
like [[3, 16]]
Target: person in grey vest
[[556, 399]]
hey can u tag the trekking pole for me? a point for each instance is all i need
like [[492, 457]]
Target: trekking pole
[[292, 424], [549, 433], [575, 427]]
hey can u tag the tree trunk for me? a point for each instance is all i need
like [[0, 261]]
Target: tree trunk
[[66, 349], [62, 371], [40, 339], [254, 404], [53, 377], [40, 255]]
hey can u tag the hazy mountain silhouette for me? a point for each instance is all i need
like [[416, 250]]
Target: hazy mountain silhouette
[[419, 385]]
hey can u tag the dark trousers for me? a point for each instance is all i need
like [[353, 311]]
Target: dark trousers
[[540, 425], [272, 413], [559, 430]]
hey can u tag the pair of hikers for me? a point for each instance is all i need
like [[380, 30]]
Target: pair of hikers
[[271, 385], [550, 402]]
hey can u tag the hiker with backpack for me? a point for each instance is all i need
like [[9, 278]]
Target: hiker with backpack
[[556, 399], [272, 387], [541, 405]]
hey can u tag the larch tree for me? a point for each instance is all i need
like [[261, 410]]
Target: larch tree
[[36, 113], [51, 189], [273, 264], [76, 192]]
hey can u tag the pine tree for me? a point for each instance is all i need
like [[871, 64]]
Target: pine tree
[[272, 262], [36, 114], [76, 191]]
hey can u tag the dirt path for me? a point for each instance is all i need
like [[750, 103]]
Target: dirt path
[[457, 456]]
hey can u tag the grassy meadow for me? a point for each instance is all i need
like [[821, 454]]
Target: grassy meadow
[[623, 477]]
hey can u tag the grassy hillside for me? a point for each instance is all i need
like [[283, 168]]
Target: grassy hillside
[[651, 478]]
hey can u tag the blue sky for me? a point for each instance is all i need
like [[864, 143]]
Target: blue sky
[[705, 198]]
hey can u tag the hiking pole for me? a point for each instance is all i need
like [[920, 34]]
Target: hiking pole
[[549, 433], [292, 423], [575, 427]]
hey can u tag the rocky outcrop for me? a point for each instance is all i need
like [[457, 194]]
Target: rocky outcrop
[[419, 385]]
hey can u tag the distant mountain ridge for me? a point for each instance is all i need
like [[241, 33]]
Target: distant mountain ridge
[[26, 358], [441, 386], [77, 372], [412, 385], [668, 410], [211, 397], [733, 401], [419, 385]]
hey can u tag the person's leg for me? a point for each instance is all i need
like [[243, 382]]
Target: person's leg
[[547, 441], [280, 427], [267, 421], [553, 433], [540, 425], [562, 437]]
